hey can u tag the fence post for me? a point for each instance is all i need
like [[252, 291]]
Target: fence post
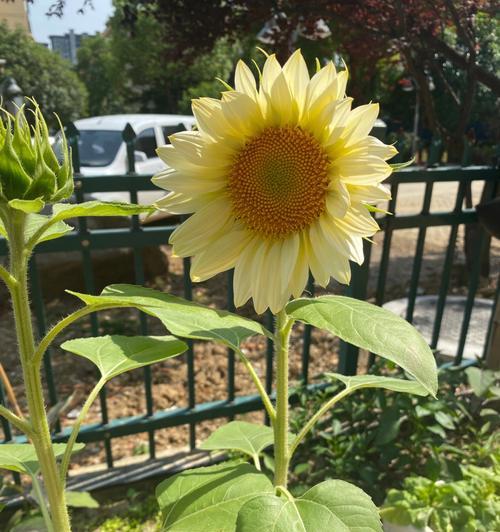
[[72, 135], [129, 136], [348, 356]]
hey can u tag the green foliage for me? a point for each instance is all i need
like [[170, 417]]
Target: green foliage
[[380, 437], [330, 505], [34, 222], [63, 211], [469, 505], [43, 75], [80, 499], [241, 436], [181, 317], [22, 457], [117, 354], [209, 498], [373, 381], [132, 71], [372, 328]]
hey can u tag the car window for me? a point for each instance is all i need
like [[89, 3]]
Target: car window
[[96, 147], [146, 142], [170, 130]]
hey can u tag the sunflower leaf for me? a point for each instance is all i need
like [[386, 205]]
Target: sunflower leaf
[[63, 211], [181, 317], [209, 498], [372, 328], [330, 505], [248, 438], [117, 354], [374, 381], [22, 458]]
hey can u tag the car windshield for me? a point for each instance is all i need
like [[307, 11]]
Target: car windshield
[[97, 147]]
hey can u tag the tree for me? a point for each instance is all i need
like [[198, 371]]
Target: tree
[[132, 70], [43, 75], [437, 38]]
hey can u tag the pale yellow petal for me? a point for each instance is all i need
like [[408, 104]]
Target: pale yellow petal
[[281, 107], [211, 121], [185, 148], [242, 281], [242, 113], [337, 198], [259, 276], [244, 80], [325, 262], [316, 255], [271, 70], [220, 256], [368, 170], [369, 193], [360, 122], [358, 221], [189, 184], [199, 230], [297, 75], [180, 203], [372, 146], [205, 167], [300, 273], [343, 242]]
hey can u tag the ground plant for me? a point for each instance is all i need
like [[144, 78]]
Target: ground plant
[[410, 435], [281, 179]]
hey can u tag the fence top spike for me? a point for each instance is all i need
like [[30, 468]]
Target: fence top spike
[[128, 133]]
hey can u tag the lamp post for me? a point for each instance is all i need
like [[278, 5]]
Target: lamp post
[[11, 94]]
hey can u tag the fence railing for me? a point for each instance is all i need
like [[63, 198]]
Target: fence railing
[[138, 236]]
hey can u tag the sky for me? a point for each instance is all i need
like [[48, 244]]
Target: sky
[[91, 21]]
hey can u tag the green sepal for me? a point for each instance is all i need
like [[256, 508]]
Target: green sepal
[[27, 206]]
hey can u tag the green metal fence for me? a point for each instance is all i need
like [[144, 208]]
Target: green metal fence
[[137, 237]]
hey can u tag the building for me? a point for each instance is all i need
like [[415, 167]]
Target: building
[[67, 45], [15, 14]]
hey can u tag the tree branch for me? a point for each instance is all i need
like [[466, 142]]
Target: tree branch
[[489, 79]]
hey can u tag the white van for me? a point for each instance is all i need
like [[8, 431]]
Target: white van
[[103, 151]]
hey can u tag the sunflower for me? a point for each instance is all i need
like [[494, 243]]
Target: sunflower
[[280, 177]]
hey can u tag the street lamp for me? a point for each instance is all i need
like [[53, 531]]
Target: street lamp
[[11, 93]]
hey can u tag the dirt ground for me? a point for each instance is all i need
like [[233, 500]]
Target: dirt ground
[[126, 394]]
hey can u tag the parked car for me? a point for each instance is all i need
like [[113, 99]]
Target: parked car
[[103, 151]]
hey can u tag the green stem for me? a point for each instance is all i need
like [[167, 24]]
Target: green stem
[[21, 424], [260, 387], [281, 452], [31, 373], [7, 278], [42, 503], [66, 322], [76, 429], [310, 424]]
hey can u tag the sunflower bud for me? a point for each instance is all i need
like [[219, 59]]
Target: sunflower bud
[[29, 168]]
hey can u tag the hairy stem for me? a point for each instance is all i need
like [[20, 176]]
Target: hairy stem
[[18, 422], [310, 424], [260, 387], [66, 322], [40, 435], [42, 503], [76, 429], [281, 453]]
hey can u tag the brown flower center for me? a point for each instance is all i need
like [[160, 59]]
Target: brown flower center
[[278, 182]]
